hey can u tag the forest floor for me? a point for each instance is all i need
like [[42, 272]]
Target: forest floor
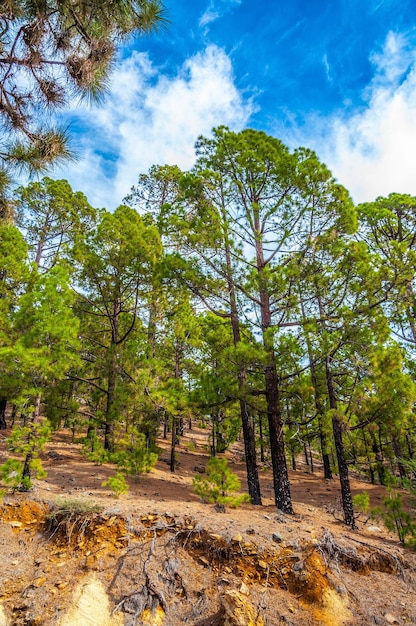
[[158, 555]]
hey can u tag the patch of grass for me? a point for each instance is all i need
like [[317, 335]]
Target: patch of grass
[[72, 506]]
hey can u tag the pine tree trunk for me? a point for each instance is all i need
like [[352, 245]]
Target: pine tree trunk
[[399, 455], [112, 378], [311, 457], [262, 456], [109, 417], [247, 420], [173, 446], [318, 405], [281, 484], [346, 496], [3, 404]]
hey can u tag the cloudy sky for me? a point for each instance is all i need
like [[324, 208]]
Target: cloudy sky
[[337, 76]]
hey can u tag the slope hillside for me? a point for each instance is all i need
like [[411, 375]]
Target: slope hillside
[[73, 555]]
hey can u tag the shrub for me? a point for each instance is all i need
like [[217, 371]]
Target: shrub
[[93, 448], [219, 484], [117, 484], [136, 458], [361, 502], [395, 518], [27, 441]]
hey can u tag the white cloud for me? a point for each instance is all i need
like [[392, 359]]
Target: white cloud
[[216, 9], [372, 152], [151, 118]]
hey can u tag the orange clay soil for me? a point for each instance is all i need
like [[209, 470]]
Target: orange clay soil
[[159, 551]]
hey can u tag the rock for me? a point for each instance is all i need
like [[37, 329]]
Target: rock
[[215, 537], [244, 589], [200, 469], [390, 619], [299, 566], [239, 611], [237, 538], [374, 529], [220, 508], [277, 538], [250, 531], [262, 564]]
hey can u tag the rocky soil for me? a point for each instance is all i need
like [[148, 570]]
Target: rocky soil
[[73, 555]]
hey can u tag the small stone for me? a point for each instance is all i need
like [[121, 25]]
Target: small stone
[[298, 566], [61, 585], [373, 529], [237, 538], [263, 564], [39, 582], [277, 538], [244, 589], [216, 537], [15, 524], [390, 619], [220, 508], [250, 531]]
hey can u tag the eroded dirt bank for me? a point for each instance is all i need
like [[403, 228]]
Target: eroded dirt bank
[[76, 567]]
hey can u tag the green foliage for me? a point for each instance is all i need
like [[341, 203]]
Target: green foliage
[[361, 502], [27, 441], [52, 51], [30, 438], [94, 449], [117, 484], [219, 484], [53, 217], [395, 518], [136, 458], [11, 473]]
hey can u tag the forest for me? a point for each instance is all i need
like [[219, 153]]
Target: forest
[[248, 294]]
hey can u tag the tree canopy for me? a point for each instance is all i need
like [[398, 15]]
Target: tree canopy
[[50, 53]]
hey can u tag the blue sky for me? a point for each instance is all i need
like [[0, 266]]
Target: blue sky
[[337, 76]]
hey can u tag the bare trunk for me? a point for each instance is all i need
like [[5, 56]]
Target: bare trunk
[[3, 405], [173, 446], [281, 484], [337, 427], [399, 455], [318, 405], [109, 417], [247, 420]]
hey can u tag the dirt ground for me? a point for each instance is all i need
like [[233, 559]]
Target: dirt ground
[[195, 554]]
